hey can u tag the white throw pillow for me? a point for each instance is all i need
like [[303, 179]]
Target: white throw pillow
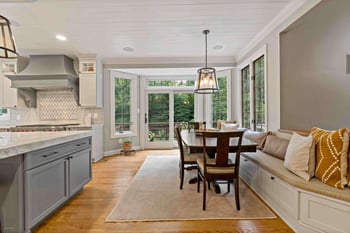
[[300, 155], [229, 127]]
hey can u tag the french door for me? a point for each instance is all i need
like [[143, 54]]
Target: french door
[[165, 109]]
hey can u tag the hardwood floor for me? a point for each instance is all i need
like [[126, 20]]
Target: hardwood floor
[[111, 177]]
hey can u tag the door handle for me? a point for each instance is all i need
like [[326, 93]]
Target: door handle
[[145, 118]]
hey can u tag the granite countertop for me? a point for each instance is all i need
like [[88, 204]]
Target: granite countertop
[[15, 143]]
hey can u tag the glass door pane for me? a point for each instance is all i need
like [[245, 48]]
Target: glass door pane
[[183, 109], [158, 117]]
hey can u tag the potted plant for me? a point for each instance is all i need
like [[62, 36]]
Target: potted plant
[[127, 144]]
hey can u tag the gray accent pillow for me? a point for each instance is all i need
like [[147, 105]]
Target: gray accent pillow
[[276, 146], [257, 137]]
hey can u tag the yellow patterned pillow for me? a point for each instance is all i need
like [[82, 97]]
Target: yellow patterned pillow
[[331, 156], [349, 159]]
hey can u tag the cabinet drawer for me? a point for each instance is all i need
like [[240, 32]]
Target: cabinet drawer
[[42, 156], [248, 171], [283, 196], [324, 214]]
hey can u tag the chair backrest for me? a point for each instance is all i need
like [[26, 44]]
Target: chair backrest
[[223, 139], [195, 125], [179, 142]]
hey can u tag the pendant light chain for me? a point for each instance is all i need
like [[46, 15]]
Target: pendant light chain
[[206, 32]]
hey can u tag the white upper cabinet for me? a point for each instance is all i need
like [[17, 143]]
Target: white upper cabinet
[[8, 94], [90, 81]]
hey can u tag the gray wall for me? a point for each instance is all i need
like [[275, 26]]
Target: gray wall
[[315, 88]]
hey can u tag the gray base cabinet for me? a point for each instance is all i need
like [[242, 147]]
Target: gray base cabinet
[[46, 189], [52, 176], [35, 184]]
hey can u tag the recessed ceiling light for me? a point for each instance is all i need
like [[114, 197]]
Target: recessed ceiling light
[[61, 37], [128, 49], [218, 47]]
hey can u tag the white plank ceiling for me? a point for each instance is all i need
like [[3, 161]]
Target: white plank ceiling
[[152, 28]]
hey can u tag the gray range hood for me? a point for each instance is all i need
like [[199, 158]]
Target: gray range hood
[[46, 72]]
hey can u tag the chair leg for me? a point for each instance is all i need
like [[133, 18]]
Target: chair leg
[[198, 181], [182, 170], [236, 181], [228, 185], [208, 185], [204, 191]]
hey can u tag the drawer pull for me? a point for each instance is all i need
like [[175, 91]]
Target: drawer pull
[[272, 178], [80, 144], [48, 155]]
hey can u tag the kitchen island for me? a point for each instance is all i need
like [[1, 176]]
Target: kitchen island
[[39, 172]]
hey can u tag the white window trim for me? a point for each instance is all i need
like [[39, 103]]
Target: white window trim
[[133, 108], [250, 61]]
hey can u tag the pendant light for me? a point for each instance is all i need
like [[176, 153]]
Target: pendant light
[[7, 42], [206, 82]]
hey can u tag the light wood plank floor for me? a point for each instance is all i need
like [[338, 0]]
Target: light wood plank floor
[[111, 177]]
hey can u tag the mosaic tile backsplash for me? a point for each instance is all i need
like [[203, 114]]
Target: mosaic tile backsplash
[[57, 105]]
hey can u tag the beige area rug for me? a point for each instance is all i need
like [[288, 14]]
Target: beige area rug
[[154, 195]]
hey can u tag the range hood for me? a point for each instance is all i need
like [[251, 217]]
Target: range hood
[[46, 72]]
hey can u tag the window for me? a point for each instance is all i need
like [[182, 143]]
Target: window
[[123, 109], [253, 88], [122, 104], [4, 114], [219, 102], [259, 86], [245, 97]]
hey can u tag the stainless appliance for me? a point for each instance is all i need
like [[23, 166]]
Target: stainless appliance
[[44, 127]]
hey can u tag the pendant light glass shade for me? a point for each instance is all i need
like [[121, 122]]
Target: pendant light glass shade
[[206, 82], [7, 42]]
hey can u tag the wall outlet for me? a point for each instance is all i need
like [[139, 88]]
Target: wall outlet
[[18, 117], [95, 115]]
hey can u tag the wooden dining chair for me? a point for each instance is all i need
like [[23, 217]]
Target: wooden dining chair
[[221, 167], [195, 125], [187, 160]]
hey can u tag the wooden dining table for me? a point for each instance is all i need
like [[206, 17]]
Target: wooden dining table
[[194, 141]]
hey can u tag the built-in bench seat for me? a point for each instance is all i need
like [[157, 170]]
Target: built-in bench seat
[[306, 206], [276, 168]]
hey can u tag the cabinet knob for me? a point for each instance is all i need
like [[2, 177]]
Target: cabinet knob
[[245, 160]]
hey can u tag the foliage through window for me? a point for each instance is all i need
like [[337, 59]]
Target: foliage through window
[[122, 105], [219, 102], [253, 95], [259, 73], [171, 83], [245, 97], [4, 114]]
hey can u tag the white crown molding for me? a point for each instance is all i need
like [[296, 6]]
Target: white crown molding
[[171, 62], [297, 7]]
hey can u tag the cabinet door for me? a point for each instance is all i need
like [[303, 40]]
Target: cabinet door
[[9, 94], [79, 170], [46, 188], [87, 90], [97, 142]]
